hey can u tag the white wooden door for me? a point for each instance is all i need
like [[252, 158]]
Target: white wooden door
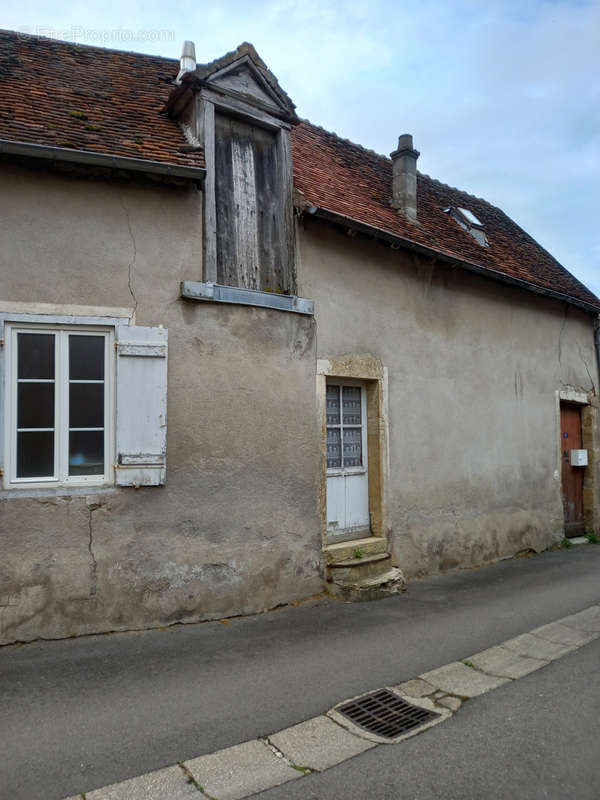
[[347, 461]]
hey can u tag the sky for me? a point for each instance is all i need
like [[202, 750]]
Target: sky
[[502, 97]]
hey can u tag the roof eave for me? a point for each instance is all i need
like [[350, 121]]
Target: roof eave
[[91, 159], [479, 269]]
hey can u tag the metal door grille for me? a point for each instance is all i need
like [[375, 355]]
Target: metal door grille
[[385, 714]]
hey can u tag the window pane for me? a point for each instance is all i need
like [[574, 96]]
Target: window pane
[[36, 355], [351, 405], [86, 358], [35, 405], [86, 405], [334, 451], [86, 453], [35, 454], [353, 447], [333, 405]]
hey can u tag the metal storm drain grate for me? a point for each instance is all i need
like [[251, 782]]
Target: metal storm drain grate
[[385, 714]]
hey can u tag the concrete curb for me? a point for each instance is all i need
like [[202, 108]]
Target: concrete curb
[[329, 739]]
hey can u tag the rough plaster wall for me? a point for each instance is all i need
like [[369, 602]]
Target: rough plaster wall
[[235, 530], [473, 372]]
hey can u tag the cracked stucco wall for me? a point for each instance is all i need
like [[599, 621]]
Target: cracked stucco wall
[[132, 262], [474, 372], [235, 530]]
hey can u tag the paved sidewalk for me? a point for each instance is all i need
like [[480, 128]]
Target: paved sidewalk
[[327, 740], [535, 738], [81, 714]]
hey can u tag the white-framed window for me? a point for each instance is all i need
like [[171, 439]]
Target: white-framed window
[[59, 418], [84, 402]]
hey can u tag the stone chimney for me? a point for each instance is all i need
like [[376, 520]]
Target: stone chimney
[[187, 62], [404, 177]]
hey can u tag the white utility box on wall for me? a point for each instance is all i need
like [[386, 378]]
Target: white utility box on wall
[[579, 458]]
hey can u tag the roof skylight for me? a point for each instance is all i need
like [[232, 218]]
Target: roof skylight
[[470, 216], [467, 220]]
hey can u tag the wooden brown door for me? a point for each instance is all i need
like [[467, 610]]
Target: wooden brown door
[[572, 477]]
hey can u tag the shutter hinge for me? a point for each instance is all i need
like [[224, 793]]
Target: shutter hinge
[[1, 472], [1, 342]]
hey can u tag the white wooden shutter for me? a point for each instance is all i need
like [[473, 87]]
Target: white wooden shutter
[[141, 406]]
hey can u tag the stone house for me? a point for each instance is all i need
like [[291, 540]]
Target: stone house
[[245, 360]]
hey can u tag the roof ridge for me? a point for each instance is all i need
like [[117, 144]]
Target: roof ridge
[[348, 141], [243, 49], [456, 189], [372, 152]]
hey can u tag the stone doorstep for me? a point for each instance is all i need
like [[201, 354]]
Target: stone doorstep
[[344, 551], [356, 562], [389, 576], [366, 589], [356, 568]]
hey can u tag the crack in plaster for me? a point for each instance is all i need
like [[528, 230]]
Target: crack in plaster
[[560, 335], [588, 371], [131, 265], [94, 565]]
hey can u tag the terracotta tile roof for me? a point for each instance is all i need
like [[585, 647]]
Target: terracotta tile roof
[[109, 102], [88, 98], [343, 177]]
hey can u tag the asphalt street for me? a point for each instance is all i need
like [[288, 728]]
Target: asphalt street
[[532, 739], [83, 713]]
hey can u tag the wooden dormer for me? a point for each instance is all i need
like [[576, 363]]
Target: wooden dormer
[[236, 111]]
